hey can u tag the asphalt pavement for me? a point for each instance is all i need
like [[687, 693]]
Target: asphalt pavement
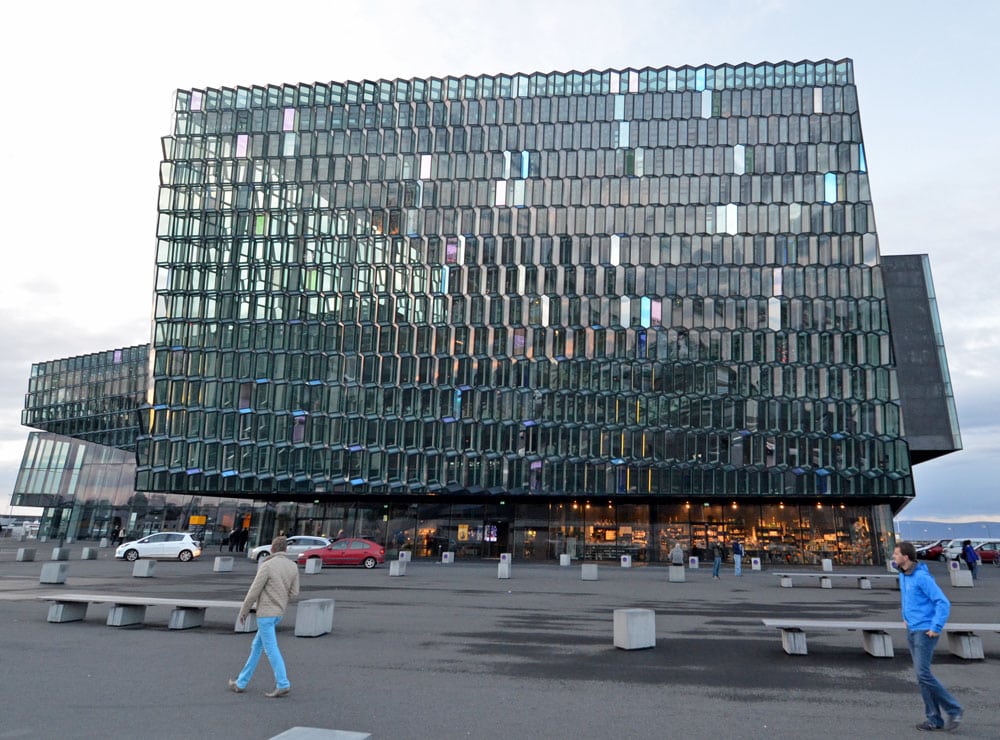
[[451, 651]]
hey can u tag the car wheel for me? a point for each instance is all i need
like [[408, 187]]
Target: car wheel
[[184, 556], [943, 558], [369, 562], [131, 555], [262, 555]]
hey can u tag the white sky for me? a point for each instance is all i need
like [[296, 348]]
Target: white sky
[[89, 90]]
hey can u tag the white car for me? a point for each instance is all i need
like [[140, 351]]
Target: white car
[[953, 550], [179, 545], [296, 545]]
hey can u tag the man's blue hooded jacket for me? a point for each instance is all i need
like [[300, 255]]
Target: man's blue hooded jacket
[[925, 607]]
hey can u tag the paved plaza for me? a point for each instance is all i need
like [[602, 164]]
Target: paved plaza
[[451, 651]]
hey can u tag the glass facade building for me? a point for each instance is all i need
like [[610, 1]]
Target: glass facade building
[[571, 312]]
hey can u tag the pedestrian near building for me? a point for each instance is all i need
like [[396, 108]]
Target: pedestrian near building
[[738, 557], [717, 554], [677, 555], [276, 583], [971, 558], [925, 612]]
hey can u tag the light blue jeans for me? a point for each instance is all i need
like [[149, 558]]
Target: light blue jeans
[[716, 566], [936, 696], [738, 564], [267, 642]]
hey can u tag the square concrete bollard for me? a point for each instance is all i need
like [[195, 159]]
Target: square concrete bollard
[[404, 556], [54, 573], [397, 568], [447, 557], [314, 617], [60, 553], [588, 572], [565, 560], [754, 563], [961, 578], [635, 629], [693, 563], [144, 569], [827, 564], [89, 553], [503, 569], [222, 564], [626, 561], [677, 574], [315, 565], [104, 542], [25, 554], [318, 733]]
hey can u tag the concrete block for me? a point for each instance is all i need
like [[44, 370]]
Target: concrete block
[[588, 572], [25, 554], [966, 645], [961, 578], [54, 573], [405, 556], [247, 625], [635, 629], [123, 615], [877, 643], [826, 583], [317, 733], [144, 569], [315, 565], [447, 557], [626, 561], [754, 563], [865, 584], [565, 560], [503, 569], [222, 564], [793, 642], [827, 564], [397, 568], [67, 612], [89, 553], [786, 582], [677, 574], [60, 553], [186, 617], [693, 562], [314, 617]]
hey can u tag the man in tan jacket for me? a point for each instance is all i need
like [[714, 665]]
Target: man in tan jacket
[[276, 583]]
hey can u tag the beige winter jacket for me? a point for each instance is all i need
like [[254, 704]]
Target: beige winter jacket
[[276, 583]]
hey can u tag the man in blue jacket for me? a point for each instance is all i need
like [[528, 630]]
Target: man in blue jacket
[[925, 611]]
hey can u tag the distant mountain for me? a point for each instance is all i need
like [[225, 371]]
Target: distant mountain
[[920, 530]]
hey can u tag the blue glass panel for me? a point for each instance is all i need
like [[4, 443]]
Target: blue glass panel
[[830, 187]]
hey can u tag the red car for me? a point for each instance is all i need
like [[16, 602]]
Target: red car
[[347, 551], [989, 552]]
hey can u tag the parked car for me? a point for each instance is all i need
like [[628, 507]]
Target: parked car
[[296, 545], [989, 552], [953, 550], [348, 551], [931, 551], [161, 545]]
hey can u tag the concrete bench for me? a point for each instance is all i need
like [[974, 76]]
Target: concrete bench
[[318, 733], [961, 637], [129, 610], [826, 579]]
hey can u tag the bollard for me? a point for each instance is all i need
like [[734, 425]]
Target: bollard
[[827, 564], [588, 572], [503, 568], [60, 553], [314, 617], [89, 553], [693, 562], [565, 560], [634, 629], [222, 564], [397, 568], [315, 565], [54, 573], [25, 554], [754, 563], [447, 557], [677, 574], [144, 569], [626, 561], [404, 556]]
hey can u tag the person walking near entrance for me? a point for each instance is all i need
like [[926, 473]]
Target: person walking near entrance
[[738, 557], [971, 558], [717, 554], [276, 583], [925, 612]]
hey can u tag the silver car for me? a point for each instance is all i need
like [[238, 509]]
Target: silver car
[[296, 545]]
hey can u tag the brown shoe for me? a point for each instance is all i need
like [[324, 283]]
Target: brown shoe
[[277, 693], [235, 686]]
